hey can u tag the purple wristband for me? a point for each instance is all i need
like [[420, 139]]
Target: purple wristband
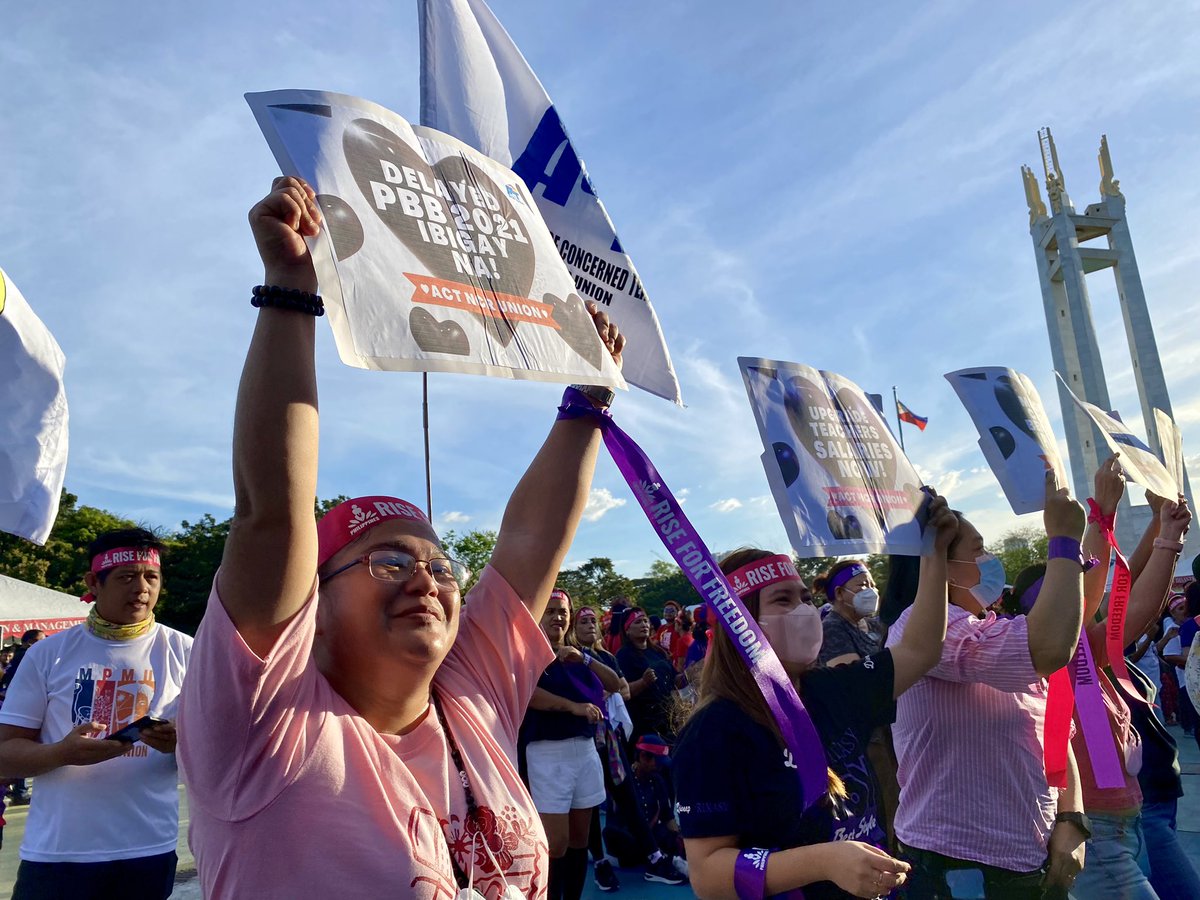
[[750, 874], [1065, 548]]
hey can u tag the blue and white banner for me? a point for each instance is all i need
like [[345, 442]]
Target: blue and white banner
[[476, 85], [33, 408]]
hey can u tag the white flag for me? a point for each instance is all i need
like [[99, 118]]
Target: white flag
[[1171, 442], [33, 408], [1137, 460], [476, 85]]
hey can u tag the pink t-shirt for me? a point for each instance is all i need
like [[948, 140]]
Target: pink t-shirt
[[293, 794]]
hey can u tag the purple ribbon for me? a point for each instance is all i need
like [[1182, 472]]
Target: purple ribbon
[[750, 874], [687, 548], [586, 682], [1107, 768]]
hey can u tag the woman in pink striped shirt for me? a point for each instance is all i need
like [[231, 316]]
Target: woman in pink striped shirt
[[968, 736]]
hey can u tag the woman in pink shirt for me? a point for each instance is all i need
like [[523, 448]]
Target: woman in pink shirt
[[1117, 864], [348, 725], [973, 788]]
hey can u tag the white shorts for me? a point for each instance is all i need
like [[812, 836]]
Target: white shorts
[[565, 775]]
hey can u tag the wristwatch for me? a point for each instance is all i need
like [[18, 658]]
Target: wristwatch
[[600, 396], [1078, 819]]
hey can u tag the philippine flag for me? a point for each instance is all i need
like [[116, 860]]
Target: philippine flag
[[907, 415]]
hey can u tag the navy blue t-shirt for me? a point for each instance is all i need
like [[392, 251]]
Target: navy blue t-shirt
[[649, 709], [1187, 631], [732, 776], [575, 681]]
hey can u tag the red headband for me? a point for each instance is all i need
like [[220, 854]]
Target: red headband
[[763, 572], [351, 519], [633, 617], [579, 613], [121, 556], [124, 556]]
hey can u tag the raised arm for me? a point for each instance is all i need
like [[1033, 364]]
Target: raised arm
[[1109, 487], [1056, 618], [1150, 590], [541, 517], [1141, 554], [270, 560], [920, 647]]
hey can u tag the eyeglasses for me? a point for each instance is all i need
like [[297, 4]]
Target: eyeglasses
[[397, 566]]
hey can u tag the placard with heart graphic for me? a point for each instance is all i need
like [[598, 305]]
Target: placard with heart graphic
[[1014, 432], [840, 480], [432, 257]]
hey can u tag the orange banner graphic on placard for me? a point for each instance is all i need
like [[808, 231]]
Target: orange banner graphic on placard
[[472, 299]]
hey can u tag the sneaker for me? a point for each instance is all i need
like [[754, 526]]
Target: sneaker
[[680, 865], [664, 872], [605, 877]]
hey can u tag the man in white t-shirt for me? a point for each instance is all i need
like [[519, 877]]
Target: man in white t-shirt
[[105, 813]]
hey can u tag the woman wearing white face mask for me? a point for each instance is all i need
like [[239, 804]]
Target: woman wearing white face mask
[[848, 635], [736, 784]]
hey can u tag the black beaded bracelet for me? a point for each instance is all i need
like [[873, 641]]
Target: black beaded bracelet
[[270, 295]]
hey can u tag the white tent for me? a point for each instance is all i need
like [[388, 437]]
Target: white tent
[[24, 606]]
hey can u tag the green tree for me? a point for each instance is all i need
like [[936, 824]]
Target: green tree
[[472, 548], [1020, 548], [664, 581], [596, 582], [60, 564], [192, 559]]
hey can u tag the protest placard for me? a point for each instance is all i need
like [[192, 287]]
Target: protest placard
[[431, 257], [33, 408], [1014, 432], [1137, 460], [840, 480], [476, 85], [1171, 441]]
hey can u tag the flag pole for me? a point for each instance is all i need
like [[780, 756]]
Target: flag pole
[[425, 422], [899, 421]]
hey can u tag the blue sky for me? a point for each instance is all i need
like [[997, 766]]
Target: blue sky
[[832, 184]]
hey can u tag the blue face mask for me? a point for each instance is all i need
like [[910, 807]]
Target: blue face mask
[[991, 580]]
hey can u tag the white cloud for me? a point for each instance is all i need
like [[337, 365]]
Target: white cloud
[[727, 505], [600, 501], [454, 517]]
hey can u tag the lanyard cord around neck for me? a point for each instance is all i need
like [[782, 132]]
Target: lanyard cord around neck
[[472, 808]]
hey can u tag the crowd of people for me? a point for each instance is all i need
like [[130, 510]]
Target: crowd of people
[[348, 724]]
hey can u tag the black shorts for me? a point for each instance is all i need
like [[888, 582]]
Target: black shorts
[[140, 878]]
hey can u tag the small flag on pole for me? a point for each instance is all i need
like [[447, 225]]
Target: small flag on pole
[[907, 415]]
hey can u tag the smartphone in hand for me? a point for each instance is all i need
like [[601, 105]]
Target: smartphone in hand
[[131, 733]]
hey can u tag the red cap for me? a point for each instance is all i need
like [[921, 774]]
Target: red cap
[[351, 519]]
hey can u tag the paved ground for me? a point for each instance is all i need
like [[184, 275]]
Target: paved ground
[[632, 883]]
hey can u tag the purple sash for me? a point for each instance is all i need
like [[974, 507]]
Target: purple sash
[[688, 550], [1107, 768]]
